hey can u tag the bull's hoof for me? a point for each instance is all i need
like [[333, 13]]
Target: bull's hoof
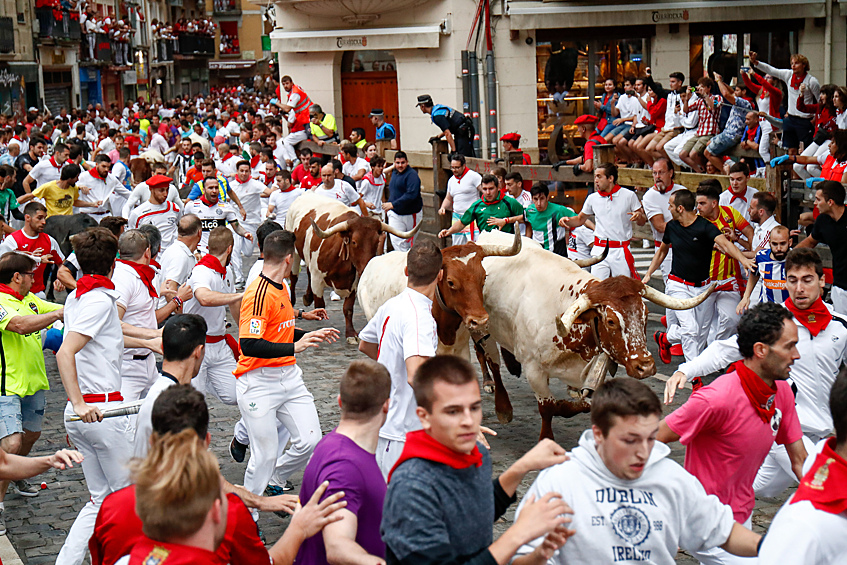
[[574, 393], [353, 340], [308, 299], [488, 385], [504, 417]]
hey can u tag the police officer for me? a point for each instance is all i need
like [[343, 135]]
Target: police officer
[[456, 128]]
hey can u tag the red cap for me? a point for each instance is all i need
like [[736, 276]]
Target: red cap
[[511, 137], [586, 119], [159, 180]]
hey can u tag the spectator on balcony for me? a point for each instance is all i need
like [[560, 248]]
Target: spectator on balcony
[[89, 28]]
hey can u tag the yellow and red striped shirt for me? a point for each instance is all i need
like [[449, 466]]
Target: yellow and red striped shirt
[[723, 266]]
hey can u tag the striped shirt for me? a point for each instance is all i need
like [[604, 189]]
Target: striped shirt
[[708, 124], [723, 266], [771, 286]]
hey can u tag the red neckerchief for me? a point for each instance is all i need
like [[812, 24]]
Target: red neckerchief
[[289, 189], [815, 318], [797, 80], [611, 193], [94, 173], [154, 263], [145, 273], [760, 395], [6, 289], [825, 485], [206, 202], [17, 138], [498, 201], [90, 282], [254, 161], [228, 155], [668, 189], [53, 162], [420, 445], [736, 196], [369, 176], [212, 262], [460, 177]]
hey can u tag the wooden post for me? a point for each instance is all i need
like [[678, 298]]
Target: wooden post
[[512, 158], [773, 180], [439, 186], [604, 153], [382, 146]]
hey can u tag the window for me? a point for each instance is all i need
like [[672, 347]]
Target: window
[[229, 39], [367, 61]]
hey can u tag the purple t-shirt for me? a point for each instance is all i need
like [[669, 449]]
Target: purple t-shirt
[[351, 469]]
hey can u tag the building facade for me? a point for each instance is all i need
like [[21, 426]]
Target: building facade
[[352, 55], [18, 66]]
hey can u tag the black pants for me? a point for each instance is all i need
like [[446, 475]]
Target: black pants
[[464, 145]]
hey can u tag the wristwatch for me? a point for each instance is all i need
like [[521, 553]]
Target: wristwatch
[[299, 314]]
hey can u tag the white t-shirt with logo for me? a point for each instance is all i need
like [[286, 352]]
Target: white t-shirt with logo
[[341, 192], [211, 217], [164, 216]]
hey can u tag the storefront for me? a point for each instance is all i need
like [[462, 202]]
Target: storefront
[[227, 73], [89, 86], [58, 88], [18, 87]]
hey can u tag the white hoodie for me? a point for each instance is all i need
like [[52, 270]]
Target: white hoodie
[[620, 521]]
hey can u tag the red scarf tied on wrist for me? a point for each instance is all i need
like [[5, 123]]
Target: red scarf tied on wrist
[[825, 485], [815, 318], [145, 273], [420, 445], [610, 193], [90, 282], [210, 261], [6, 289], [760, 395]]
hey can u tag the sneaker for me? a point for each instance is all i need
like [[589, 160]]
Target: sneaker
[[334, 296], [664, 320], [238, 450], [696, 383], [288, 486], [274, 490], [661, 339], [676, 350], [25, 489], [2, 522]]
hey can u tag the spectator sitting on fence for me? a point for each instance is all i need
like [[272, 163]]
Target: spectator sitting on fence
[[726, 140]]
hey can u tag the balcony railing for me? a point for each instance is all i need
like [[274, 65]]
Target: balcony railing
[[59, 26], [196, 44], [164, 49], [226, 7], [7, 35]]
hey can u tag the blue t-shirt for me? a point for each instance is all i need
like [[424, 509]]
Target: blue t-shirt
[[349, 468], [404, 192]]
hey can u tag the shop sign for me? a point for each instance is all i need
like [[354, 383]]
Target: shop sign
[[8, 79], [669, 16], [345, 42], [230, 65]]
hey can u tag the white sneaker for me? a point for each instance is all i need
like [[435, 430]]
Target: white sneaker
[[334, 296]]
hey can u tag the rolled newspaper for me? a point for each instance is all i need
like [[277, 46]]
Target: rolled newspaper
[[126, 409]]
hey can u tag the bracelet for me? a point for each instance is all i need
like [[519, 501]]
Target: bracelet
[[178, 301]]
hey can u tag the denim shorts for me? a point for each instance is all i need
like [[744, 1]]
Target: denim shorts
[[615, 130], [18, 414], [722, 143]]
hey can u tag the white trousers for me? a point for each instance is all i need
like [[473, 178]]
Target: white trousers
[[267, 396], [813, 150], [666, 271], [242, 247], [281, 431], [688, 327], [215, 376], [137, 376], [718, 556], [673, 147], [288, 143], [107, 448], [720, 320], [387, 453], [775, 475], [403, 223], [619, 261], [839, 299]]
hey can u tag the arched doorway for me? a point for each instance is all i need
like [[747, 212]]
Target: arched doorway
[[368, 80]]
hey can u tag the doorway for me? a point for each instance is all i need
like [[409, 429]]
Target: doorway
[[368, 81]]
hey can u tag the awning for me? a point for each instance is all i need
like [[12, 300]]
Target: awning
[[231, 65], [389, 38], [550, 15]]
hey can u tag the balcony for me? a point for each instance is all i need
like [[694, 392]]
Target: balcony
[[193, 44], [226, 8], [164, 49], [7, 35], [58, 26]]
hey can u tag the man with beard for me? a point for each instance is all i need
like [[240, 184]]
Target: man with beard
[[729, 427], [213, 213], [761, 211], [767, 280]]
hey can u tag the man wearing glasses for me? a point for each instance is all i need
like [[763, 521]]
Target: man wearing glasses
[[22, 317]]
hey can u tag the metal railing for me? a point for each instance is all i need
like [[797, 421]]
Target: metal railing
[[196, 44], [59, 26]]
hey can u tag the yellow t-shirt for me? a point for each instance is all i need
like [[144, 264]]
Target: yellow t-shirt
[[329, 123], [59, 201]]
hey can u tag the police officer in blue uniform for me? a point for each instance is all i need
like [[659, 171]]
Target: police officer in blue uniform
[[384, 130], [456, 128]]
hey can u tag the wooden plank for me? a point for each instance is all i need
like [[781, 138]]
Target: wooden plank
[[326, 149], [644, 178], [482, 166], [545, 173]]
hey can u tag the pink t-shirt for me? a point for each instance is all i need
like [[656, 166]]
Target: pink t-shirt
[[727, 441]]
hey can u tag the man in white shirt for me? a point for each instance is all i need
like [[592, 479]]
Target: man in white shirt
[[337, 189], [462, 192], [738, 195], [177, 261], [281, 198], [214, 287], [103, 186], [226, 164], [629, 108], [158, 211], [673, 117], [213, 213], [107, 144], [514, 188], [401, 336], [47, 170], [761, 211], [249, 192], [614, 209], [811, 527], [354, 167], [89, 363], [630, 501], [141, 193]]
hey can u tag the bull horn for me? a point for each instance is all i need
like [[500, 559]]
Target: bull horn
[[401, 234], [579, 307], [339, 227], [503, 251], [592, 260], [663, 299]]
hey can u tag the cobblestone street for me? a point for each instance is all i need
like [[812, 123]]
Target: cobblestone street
[[37, 527]]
